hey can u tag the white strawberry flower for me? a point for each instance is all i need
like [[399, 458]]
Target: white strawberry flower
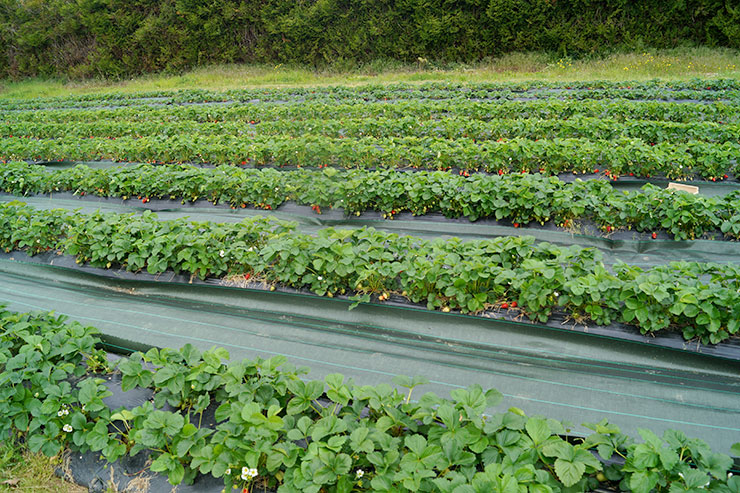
[[228, 471], [222, 253], [67, 428], [320, 278], [359, 473]]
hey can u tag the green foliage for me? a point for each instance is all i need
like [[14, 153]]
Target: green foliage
[[275, 427], [85, 38], [621, 156]]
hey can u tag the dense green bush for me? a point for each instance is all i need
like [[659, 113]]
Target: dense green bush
[[120, 37]]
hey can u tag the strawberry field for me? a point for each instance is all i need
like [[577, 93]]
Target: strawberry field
[[521, 236]]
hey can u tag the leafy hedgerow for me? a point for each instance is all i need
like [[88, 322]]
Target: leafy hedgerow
[[700, 299], [519, 199], [276, 429]]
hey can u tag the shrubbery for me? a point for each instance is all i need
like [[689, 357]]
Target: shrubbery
[[121, 37]]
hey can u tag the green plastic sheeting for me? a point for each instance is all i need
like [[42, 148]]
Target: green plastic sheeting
[[558, 373], [644, 253]]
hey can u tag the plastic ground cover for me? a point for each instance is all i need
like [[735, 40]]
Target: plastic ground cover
[[564, 374]]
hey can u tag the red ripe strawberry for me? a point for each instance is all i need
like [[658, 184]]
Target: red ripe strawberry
[[725, 177], [513, 304], [516, 225], [596, 170], [608, 229], [247, 276], [655, 235], [504, 305]]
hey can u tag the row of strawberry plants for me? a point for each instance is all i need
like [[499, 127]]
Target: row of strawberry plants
[[553, 109], [692, 97], [700, 299], [242, 96], [274, 428], [704, 84], [519, 199], [456, 127], [699, 89], [470, 91], [619, 156]]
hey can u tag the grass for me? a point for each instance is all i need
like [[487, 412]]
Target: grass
[[23, 471], [675, 64]]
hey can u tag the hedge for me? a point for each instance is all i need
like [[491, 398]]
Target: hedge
[[114, 38]]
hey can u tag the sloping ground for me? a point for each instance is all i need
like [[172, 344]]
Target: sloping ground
[[571, 370]]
